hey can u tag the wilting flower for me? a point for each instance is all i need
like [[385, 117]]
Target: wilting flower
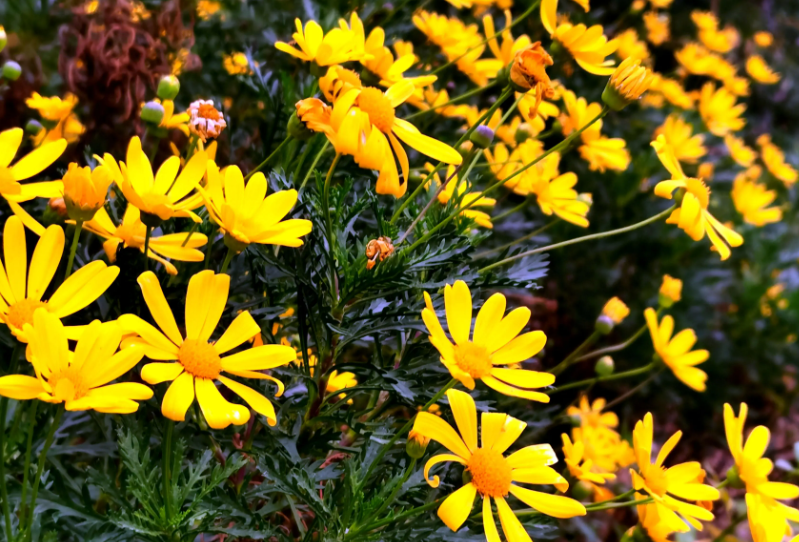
[[752, 200], [340, 45], [739, 151], [626, 84], [775, 162], [657, 27], [493, 475], [692, 217], [588, 46], [194, 362], [719, 111], [672, 488], [161, 196], [670, 289], [378, 249], [78, 379], [26, 167], [528, 71], [676, 352], [496, 342], [23, 288], [85, 190], [236, 64], [131, 232], [761, 72], [58, 118], [677, 132], [246, 214], [470, 199], [205, 120]]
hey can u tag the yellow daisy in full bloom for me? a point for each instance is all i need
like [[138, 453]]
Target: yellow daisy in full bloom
[[674, 489], [131, 232], [555, 192], [775, 162], [718, 110], [752, 200], [471, 199], [22, 288], [692, 217], [26, 167], [761, 72], [161, 196], [588, 46], [493, 475], [599, 151], [381, 62], [194, 363], [676, 352], [79, 379], [687, 148], [496, 342], [740, 151], [343, 44], [245, 214], [631, 46]]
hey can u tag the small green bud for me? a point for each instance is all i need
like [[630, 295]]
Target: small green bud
[[613, 99], [582, 491], [482, 137], [521, 135], [604, 366], [33, 127], [416, 446], [168, 87], [576, 421], [665, 301], [734, 478], [152, 113], [604, 324], [12, 70], [297, 129]]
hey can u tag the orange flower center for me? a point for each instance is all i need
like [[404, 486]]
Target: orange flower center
[[490, 472], [21, 312], [656, 480], [473, 359], [200, 359], [208, 111], [67, 385], [375, 104], [699, 189]]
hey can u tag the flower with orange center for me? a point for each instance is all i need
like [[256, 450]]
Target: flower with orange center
[[205, 120], [496, 342], [22, 289], [194, 362], [588, 46], [676, 352], [674, 489], [692, 216], [492, 475], [79, 379]]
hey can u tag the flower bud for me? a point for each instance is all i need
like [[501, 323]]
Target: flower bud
[[604, 366], [613, 313], [582, 490], [626, 84], [297, 129], [528, 69], [12, 70], [152, 113], [85, 190], [734, 478], [168, 87], [482, 136], [604, 324], [416, 445], [670, 291], [3, 38], [522, 134], [33, 127]]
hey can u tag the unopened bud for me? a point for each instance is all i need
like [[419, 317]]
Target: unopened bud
[[582, 490], [604, 366], [152, 113], [626, 84], [297, 129], [482, 137], [522, 134], [12, 70], [33, 127], [604, 324], [734, 478], [168, 87], [416, 445]]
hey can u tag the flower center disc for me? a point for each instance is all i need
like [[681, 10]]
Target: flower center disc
[[700, 190], [21, 312], [375, 104], [473, 359], [490, 472], [200, 359], [208, 111], [67, 386]]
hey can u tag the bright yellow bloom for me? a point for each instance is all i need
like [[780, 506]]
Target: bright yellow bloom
[[473, 199], [752, 200], [579, 112], [600, 152], [739, 151], [78, 379], [761, 72], [657, 528], [506, 51], [628, 82], [557, 195], [671, 90], [383, 65], [236, 64], [671, 288], [195, 363], [588, 46], [676, 352], [85, 190], [60, 121], [657, 27], [721, 41], [698, 60], [131, 233], [245, 214], [591, 415], [763, 38], [496, 342], [207, 8], [677, 132], [161, 196], [672, 487], [616, 310], [343, 44], [581, 467], [605, 153], [631, 46], [775, 162], [172, 121], [719, 111], [738, 86], [26, 167], [493, 475], [603, 446], [768, 520], [21, 289]]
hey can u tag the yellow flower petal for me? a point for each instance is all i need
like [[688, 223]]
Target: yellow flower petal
[[218, 411], [257, 401], [556, 506], [437, 429], [16, 256], [489, 525], [148, 332], [82, 288], [159, 308], [44, 263], [267, 356], [455, 509], [519, 349], [508, 328], [458, 303], [178, 398], [465, 413], [20, 387], [156, 373], [205, 301], [38, 160], [511, 526], [10, 141], [242, 329]]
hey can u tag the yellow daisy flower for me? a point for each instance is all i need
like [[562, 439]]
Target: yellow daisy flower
[[752, 200], [768, 520], [672, 488], [676, 352], [131, 232], [161, 196], [719, 111], [739, 151], [79, 379], [472, 199], [605, 153], [761, 72], [246, 214], [85, 190], [775, 162], [496, 342], [671, 90], [738, 86], [554, 192], [60, 121], [599, 151], [677, 132], [693, 217], [631, 46], [588, 46], [505, 51], [581, 467], [671, 289], [763, 38], [592, 415], [194, 362], [493, 475], [340, 45], [383, 65], [22, 288], [657, 27], [659, 529], [236, 64]]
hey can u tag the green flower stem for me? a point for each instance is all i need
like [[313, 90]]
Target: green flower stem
[[399, 517], [513, 210], [148, 233], [571, 358], [387, 502], [303, 156], [636, 389], [610, 506], [616, 376], [40, 468], [576, 240], [3, 413], [313, 164], [487, 115], [331, 237], [191, 232], [73, 248], [263, 164], [167, 462], [530, 235], [723, 484], [26, 472], [463, 96], [617, 347], [228, 259]]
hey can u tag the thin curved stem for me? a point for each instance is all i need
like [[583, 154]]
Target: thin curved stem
[[228, 259], [463, 96], [331, 237], [522, 205], [635, 390], [618, 347], [571, 358], [530, 235], [73, 248], [147, 235], [27, 468], [268, 158], [40, 468], [576, 240], [615, 376], [313, 164]]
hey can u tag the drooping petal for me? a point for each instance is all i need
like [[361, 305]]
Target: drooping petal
[[20, 387], [465, 413], [44, 262], [178, 398], [511, 526], [159, 308], [218, 411], [556, 506], [458, 303], [267, 356]]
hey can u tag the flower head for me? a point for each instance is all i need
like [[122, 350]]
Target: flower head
[[588, 46], [739, 151], [775, 162], [58, 116], [85, 190], [627, 84], [79, 379], [236, 64], [339, 45], [677, 132], [592, 415], [676, 352], [763, 39], [719, 111], [761, 72], [194, 363], [631, 46], [496, 342], [471, 199], [670, 290], [22, 288], [529, 70], [752, 200], [616, 310], [205, 120], [581, 467], [657, 27], [492, 475]]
